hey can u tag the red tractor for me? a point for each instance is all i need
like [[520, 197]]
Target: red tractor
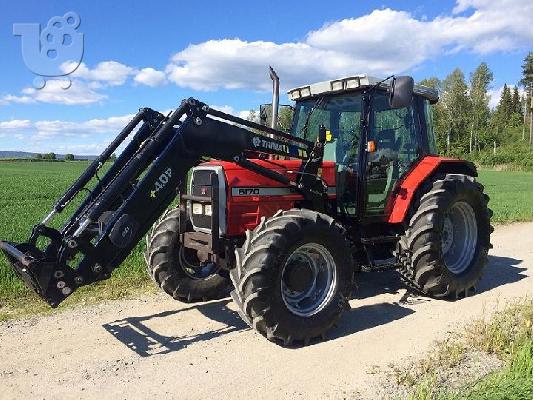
[[285, 219]]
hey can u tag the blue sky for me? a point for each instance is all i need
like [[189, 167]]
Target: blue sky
[[154, 54]]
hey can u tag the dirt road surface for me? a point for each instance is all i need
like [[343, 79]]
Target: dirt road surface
[[155, 347]]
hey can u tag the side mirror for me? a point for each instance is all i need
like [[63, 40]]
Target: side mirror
[[401, 92]]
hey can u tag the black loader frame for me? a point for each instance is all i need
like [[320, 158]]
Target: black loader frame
[[140, 185]]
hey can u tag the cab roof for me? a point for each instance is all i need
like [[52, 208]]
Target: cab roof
[[352, 83]]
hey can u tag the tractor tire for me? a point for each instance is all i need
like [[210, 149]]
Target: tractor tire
[[293, 276], [445, 248], [172, 266]]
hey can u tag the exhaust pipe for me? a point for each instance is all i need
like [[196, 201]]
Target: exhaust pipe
[[276, 97]]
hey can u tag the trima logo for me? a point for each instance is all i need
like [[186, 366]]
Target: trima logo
[[161, 182], [270, 145]]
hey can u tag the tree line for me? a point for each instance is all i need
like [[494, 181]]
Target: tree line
[[465, 125], [66, 157]]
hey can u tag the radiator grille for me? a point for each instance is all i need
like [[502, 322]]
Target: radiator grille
[[201, 186]]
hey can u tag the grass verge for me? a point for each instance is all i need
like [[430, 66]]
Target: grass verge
[[123, 287], [507, 335]]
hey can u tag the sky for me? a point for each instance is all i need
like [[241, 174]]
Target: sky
[[154, 54]]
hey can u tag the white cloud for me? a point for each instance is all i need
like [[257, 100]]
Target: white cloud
[[380, 43], [79, 137], [230, 110], [9, 99], [111, 73], [225, 109], [83, 89], [495, 95], [236, 64], [87, 84], [57, 128], [150, 77], [15, 124], [78, 93]]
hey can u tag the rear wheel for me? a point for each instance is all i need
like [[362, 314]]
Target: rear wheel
[[293, 276], [176, 269], [445, 248]]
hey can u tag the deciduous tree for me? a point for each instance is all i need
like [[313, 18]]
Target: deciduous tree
[[480, 81]]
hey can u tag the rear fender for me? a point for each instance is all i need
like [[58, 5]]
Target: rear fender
[[402, 197]]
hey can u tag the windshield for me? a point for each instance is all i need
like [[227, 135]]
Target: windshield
[[340, 115]]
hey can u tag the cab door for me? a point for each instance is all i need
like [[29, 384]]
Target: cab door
[[396, 137]]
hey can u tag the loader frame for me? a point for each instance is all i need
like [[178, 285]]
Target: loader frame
[[140, 185]]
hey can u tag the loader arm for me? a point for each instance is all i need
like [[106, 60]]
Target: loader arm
[[141, 184]]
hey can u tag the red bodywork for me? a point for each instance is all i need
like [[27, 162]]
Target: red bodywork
[[400, 202], [244, 211]]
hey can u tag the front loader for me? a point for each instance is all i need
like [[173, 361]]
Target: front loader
[[283, 219]]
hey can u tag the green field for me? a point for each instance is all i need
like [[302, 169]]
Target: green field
[[28, 192], [510, 194], [29, 189]]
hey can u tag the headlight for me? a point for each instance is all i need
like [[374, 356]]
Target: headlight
[[197, 208], [207, 210]]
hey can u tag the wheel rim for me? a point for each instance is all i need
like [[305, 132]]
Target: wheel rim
[[315, 263], [459, 237], [192, 266]]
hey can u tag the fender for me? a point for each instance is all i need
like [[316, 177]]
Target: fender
[[402, 197]]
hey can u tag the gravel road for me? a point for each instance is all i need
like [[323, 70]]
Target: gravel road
[[154, 347]]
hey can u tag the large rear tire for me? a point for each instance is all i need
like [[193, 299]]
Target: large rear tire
[[293, 276], [175, 269], [444, 250]]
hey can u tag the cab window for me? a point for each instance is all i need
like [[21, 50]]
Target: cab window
[[395, 133], [340, 115]]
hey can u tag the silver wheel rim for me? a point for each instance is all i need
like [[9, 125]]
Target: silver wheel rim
[[319, 292], [459, 237]]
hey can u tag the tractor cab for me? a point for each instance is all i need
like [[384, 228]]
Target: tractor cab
[[372, 140]]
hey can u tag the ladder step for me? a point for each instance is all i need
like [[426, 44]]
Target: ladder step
[[380, 239]]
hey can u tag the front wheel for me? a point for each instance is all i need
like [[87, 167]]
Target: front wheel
[[293, 276], [445, 247], [176, 269]]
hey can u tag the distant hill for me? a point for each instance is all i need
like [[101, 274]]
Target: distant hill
[[25, 155]]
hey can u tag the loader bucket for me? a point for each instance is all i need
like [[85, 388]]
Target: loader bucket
[[31, 265]]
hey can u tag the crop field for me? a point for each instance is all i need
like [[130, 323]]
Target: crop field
[[29, 189], [510, 194]]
